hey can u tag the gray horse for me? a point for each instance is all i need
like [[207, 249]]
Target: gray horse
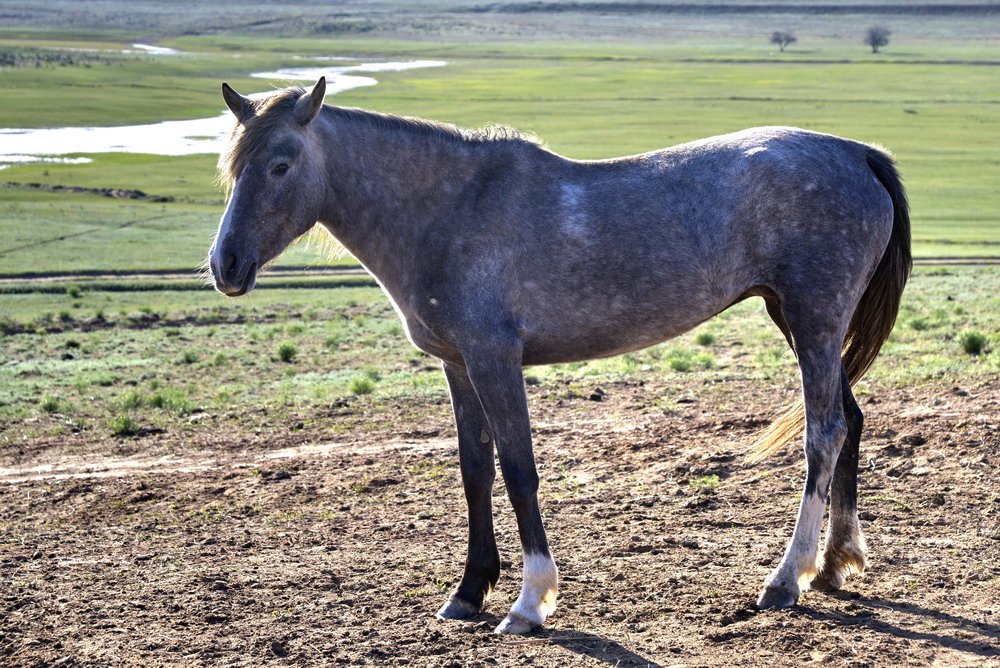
[[498, 253]]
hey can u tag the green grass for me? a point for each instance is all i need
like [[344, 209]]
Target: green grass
[[287, 352], [123, 425], [585, 100], [123, 368]]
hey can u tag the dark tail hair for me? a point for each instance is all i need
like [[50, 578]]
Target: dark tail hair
[[875, 314]]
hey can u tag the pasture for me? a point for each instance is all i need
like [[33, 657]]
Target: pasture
[[192, 480]]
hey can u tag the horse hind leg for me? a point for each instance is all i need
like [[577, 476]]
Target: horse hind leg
[[826, 428], [844, 552]]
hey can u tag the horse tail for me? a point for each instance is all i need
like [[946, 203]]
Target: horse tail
[[875, 313]]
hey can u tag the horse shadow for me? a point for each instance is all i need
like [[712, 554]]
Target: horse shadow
[[979, 638], [581, 643], [595, 647]]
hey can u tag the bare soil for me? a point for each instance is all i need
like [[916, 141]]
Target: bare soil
[[253, 537]]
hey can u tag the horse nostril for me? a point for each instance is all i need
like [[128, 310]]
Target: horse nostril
[[228, 264]]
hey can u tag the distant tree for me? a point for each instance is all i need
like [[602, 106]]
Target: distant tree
[[877, 36], [782, 38]]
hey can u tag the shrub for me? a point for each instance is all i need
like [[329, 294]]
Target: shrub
[[189, 357], [972, 342], [287, 352], [73, 291], [124, 425]]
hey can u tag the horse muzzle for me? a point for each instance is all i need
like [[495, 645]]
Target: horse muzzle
[[233, 276]]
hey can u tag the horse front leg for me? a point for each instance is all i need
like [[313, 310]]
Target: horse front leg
[[826, 429], [495, 373], [475, 453]]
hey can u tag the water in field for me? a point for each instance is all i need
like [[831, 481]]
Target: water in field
[[200, 135]]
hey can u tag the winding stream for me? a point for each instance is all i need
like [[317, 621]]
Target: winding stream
[[200, 135]]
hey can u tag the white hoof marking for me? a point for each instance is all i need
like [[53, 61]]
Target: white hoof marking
[[538, 591]]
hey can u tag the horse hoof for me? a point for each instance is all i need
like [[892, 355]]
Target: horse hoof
[[776, 597], [516, 625], [456, 608], [827, 582]]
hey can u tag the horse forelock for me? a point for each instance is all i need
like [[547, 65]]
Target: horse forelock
[[248, 138]]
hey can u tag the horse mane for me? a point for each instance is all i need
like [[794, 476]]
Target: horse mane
[[247, 138]]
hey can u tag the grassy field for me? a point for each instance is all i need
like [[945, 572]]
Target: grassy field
[[938, 115], [95, 356], [930, 97]]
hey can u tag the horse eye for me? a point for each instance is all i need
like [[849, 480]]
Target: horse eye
[[280, 168]]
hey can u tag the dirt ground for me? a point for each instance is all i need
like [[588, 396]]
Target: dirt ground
[[241, 538]]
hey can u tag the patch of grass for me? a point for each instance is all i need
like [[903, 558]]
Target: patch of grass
[[704, 482], [287, 352], [362, 385], [189, 357], [124, 425], [704, 338], [686, 360], [973, 342], [50, 404], [172, 400], [131, 400], [679, 362]]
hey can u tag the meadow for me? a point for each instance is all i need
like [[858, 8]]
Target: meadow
[[217, 472]]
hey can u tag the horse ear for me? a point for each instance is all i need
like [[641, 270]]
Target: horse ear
[[309, 105], [239, 105]]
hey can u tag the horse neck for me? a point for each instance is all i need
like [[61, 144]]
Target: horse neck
[[386, 185]]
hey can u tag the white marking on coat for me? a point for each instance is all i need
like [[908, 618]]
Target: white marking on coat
[[574, 216], [753, 151], [538, 590]]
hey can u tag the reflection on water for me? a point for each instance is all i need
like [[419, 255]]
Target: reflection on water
[[201, 135], [158, 50]]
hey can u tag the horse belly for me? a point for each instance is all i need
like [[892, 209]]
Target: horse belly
[[583, 329]]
